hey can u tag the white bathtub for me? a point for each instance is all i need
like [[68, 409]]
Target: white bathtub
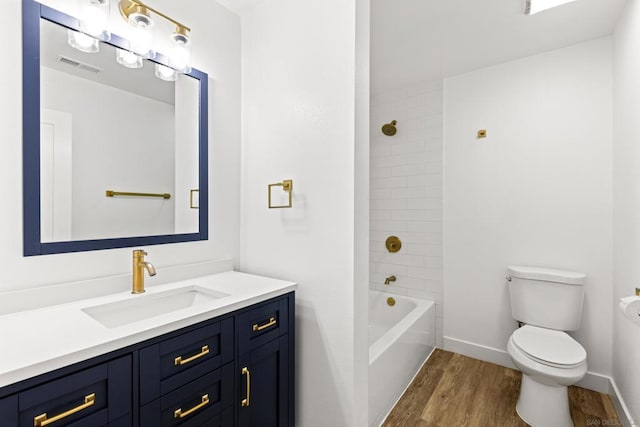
[[401, 338]]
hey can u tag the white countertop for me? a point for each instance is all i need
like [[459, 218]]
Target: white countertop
[[42, 340]]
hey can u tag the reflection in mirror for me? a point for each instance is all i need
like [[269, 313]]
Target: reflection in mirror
[[90, 126], [107, 127]]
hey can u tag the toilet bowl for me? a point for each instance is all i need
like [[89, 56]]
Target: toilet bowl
[[550, 361], [548, 302]]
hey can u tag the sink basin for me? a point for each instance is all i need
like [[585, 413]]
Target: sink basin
[[142, 307]]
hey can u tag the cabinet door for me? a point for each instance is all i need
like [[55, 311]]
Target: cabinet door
[[9, 411], [263, 384]]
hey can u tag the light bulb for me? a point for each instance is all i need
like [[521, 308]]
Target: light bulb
[[95, 20], [128, 59], [82, 42], [142, 40], [165, 73], [180, 58], [95, 17]]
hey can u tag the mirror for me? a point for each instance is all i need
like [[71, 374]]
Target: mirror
[[113, 156]]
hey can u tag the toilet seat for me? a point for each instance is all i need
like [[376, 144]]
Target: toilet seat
[[549, 347]]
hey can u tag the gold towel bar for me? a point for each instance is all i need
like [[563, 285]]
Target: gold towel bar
[[111, 193]]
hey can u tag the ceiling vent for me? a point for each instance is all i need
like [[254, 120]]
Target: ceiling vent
[[77, 64]]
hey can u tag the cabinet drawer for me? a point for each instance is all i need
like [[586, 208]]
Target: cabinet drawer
[[177, 361], [262, 324], [92, 397], [197, 403]]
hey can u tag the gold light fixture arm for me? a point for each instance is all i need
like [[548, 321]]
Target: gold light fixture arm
[[128, 6]]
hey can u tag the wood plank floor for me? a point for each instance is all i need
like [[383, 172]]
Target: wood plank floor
[[454, 390]]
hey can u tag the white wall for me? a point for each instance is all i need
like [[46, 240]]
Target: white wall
[[626, 202], [108, 157], [536, 191], [406, 192], [299, 122], [216, 50]]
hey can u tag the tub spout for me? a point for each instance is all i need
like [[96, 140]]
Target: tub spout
[[389, 279]]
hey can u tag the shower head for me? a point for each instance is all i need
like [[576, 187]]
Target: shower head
[[390, 129]]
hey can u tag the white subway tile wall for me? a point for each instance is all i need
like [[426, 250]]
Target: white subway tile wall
[[406, 192]]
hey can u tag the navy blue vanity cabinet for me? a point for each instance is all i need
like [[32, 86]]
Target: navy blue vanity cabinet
[[264, 368], [233, 370], [96, 396]]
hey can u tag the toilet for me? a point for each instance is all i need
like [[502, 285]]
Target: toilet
[[546, 302]]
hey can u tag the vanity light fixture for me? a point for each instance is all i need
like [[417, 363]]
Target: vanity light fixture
[[166, 73], [82, 42], [180, 56], [532, 7], [128, 59], [138, 14], [139, 17], [94, 17]]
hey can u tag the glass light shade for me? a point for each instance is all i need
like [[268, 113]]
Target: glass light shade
[[128, 59], [94, 18], [142, 41], [534, 6], [82, 42], [180, 57], [165, 73]]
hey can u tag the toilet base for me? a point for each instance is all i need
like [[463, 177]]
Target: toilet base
[[542, 405]]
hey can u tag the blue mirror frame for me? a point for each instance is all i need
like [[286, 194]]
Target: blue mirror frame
[[32, 13]]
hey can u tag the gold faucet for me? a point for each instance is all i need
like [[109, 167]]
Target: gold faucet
[[389, 279], [139, 264]]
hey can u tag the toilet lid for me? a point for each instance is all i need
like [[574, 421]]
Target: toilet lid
[[547, 345]]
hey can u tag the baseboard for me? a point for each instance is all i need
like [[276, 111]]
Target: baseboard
[[621, 408], [591, 381], [478, 351]]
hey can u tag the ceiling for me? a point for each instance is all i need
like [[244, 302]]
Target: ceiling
[[417, 40], [238, 6]]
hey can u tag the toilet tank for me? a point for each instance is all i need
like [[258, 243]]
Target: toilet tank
[[546, 297]]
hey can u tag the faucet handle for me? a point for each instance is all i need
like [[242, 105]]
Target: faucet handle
[[140, 252]]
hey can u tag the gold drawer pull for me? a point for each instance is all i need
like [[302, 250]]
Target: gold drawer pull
[[245, 371], [179, 414], [41, 420], [272, 321], [179, 362]]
